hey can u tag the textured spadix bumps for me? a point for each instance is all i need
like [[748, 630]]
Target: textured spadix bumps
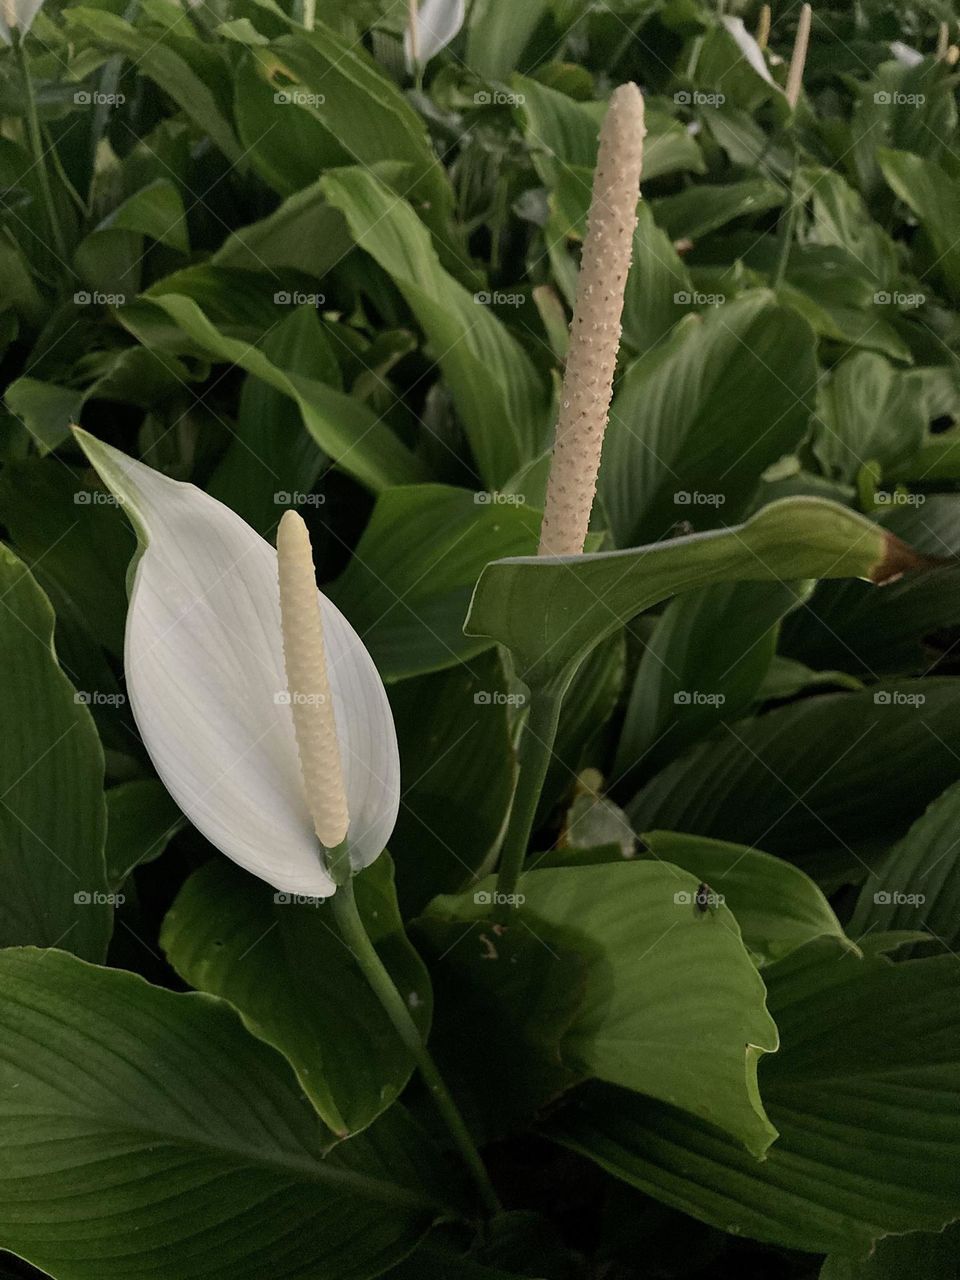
[[208, 687], [308, 683], [595, 331]]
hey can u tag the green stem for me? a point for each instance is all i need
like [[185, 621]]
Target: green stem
[[536, 747], [36, 145], [788, 224], [355, 935]]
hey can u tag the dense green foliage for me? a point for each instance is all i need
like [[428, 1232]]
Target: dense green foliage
[[722, 1034]]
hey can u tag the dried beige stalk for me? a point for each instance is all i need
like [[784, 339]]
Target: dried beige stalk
[[595, 331], [799, 57], [763, 26]]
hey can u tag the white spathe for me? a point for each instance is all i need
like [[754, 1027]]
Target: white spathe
[[17, 15], [438, 22], [208, 690]]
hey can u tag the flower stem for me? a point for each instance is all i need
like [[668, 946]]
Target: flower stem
[[36, 145], [357, 939], [536, 747]]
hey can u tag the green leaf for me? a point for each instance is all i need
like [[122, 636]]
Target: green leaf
[[181, 1143], [564, 135], [916, 885], [303, 233], [934, 196], [545, 611], [366, 113], [840, 218], [696, 212], [864, 1092], [868, 412], [695, 423], [850, 626], [286, 144], [703, 663], [346, 429], [519, 998], [408, 584], [823, 781], [141, 820], [455, 730], [166, 62], [657, 285], [934, 1257], [74, 535], [777, 907], [498, 393], [673, 1007], [496, 38], [282, 964], [53, 884], [272, 461], [45, 410]]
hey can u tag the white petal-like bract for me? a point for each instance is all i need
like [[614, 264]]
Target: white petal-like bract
[[205, 676], [17, 15], [438, 22]]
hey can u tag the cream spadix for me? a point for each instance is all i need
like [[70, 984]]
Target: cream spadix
[[308, 683], [209, 691]]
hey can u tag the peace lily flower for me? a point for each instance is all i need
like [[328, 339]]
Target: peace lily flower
[[214, 612], [17, 15], [430, 28]]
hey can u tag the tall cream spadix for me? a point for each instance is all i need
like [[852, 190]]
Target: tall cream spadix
[[311, 701], [595, 331]]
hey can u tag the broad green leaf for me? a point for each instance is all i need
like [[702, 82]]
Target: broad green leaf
[[583, 728], [110, 257], [867, 411], [863, 1091], [53, 883], [695, 423], [45, 409], [916, 885], [408, 584], [546, 611], [658, 290], [363, 109], [164, 60], [287, 144], [302, 233], [519, 998], [498, 393], [932, 1256], [840, 219], [70, 529], [182, 1144], [141, 820], [564, 134], [673, 1006], [934, 196], [703, 663], [281, 963], [777, 907], [496, 37], [850, 626], [455, 730], [825, 781], [696, 212], [273, 461], [350, 432]]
